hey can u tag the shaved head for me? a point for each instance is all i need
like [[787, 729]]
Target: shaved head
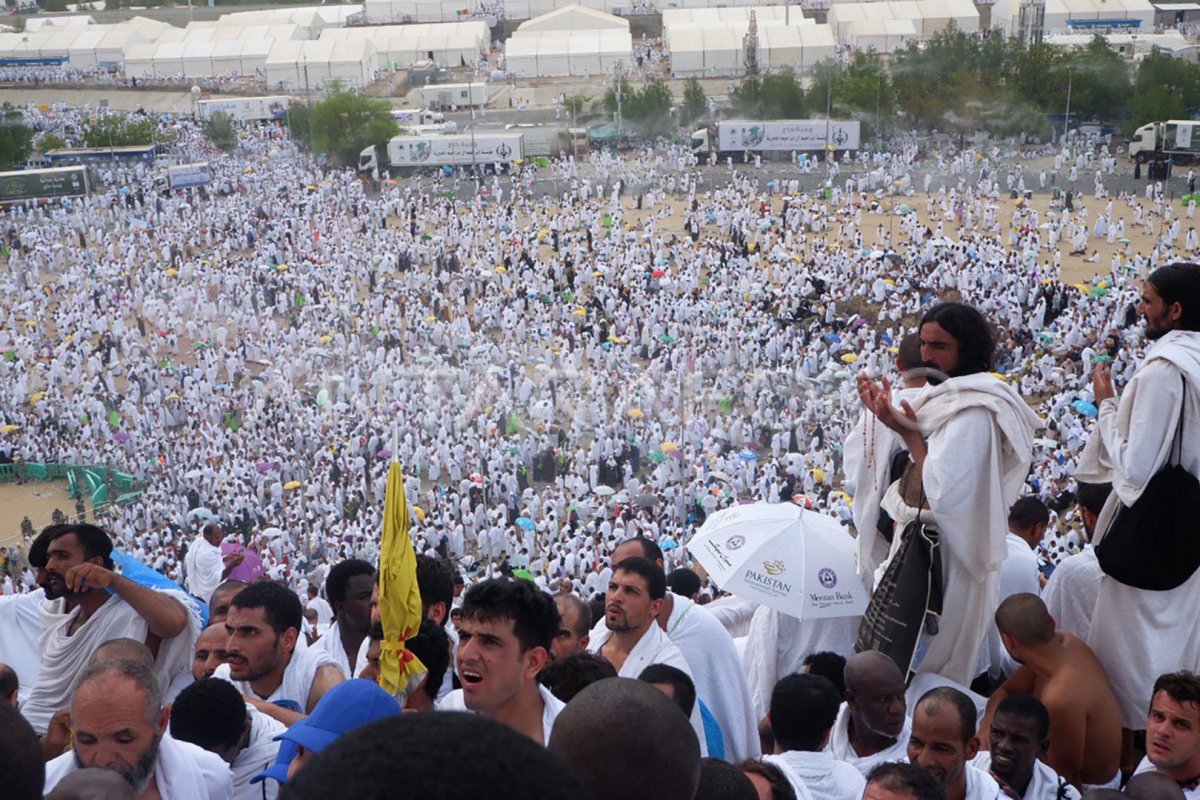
[[1153, 785], [869, 668], [123, 650], [92, 783], [1024, 617], [625, 738]]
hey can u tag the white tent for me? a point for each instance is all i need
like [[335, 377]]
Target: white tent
[[168, 59], [574, 18], [842, 16], [37, 24], [197, 58], [583, 52], [113, 46], [818, 43], [393, 12], [292, 65], [139, 61], [882, 35], [82, 52], [520, 56]]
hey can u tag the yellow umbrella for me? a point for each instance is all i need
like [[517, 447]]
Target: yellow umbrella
[[580, 312], [326, 339], [997, 376], [849, 358], [890, 281], [172, 272], [36, 398], [29, 323], [10, 428], [818, 474], [291, 485], [173, 396], [282, 268], [669, 447], [500, 270], [419, 513], [399, 597], [636, 413]]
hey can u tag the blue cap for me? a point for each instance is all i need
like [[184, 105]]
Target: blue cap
[[279, 770], [349, 705]]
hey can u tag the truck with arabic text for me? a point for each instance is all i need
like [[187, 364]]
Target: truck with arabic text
[[735, 138], [1177, 139], [459, 149], [246, 109]]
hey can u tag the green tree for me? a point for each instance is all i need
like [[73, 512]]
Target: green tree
[[49, 141], [576, 105], [695, 102], [1098, 81], [776, 95], [114, 130], [345, 123], [617, 96], [299, 122], [649, 109], [220, 131], [1163, 88], [16, 140]]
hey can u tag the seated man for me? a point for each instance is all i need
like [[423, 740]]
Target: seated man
[[1061, 671], [101, 605], [943, 743], [803, 709], [1020, 734], [211, 714], [119, 722], [871, 726], [505, 633], [276, 677], [208, 654], [1173, 731]]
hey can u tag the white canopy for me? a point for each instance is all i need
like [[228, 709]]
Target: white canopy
[[574, 18]]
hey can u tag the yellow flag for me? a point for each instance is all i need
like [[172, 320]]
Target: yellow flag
[[399, 597]]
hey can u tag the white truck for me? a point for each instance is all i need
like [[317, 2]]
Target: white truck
[[736, 137], [414, 152], [246, 109], [1177, 139], [412, 116], [182, 176], [455, 95]]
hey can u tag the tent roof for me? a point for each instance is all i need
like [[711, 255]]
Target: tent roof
[[574, 18]]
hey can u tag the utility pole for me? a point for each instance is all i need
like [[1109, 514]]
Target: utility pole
[[750, 47], [308, 101], [471, 104], [618, 72], [1067, 118], [828, 120]]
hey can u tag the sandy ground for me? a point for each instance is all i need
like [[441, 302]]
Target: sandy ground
[[35, 500]]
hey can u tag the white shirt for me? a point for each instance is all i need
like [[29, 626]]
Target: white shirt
[[825, 777], [323, 609], [551, 708], [204, 567], [841, 749], [258, 754], [293, 691], [183, 772], [1070, 594], [1046, 784]]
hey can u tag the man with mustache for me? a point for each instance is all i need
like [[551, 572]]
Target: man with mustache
[[969, 436], [100, 605], [118, 722]]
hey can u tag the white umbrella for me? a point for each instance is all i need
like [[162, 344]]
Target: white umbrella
[[201, 512], [604, 491], [272, 533], [799, 562]]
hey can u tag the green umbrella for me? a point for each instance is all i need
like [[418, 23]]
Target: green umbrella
[[667, 338], [657, 458], [523, 574]]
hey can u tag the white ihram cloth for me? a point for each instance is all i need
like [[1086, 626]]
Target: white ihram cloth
[[65, 657], [21, 620], [840, 748], [293, 691], [204, 565], [778, 644], [718, 673], [867, 461], [259, 753], [653, 648], [1070, 594], [183, 772], [825, 777], [980, 437], [1018, 575], [551, 708], [1138, 634], [1046, 784], [331, 645]]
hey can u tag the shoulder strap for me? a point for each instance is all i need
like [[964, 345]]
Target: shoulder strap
[[1177, 447]]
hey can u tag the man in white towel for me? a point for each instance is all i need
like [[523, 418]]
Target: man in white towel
[[211, 714], [803, 709], [101, 605], [943, 743], [704, 642], [1139, 634], [1020, 735], [119, 722], [970, 438], [871, 726], [266, 658], [206, 566]]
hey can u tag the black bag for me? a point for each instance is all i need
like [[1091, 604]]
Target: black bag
[[1155, 543], [907, 600]]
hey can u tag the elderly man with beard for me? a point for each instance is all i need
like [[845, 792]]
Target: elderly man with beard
[[969, 436], [100, 605], [118, 722]]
